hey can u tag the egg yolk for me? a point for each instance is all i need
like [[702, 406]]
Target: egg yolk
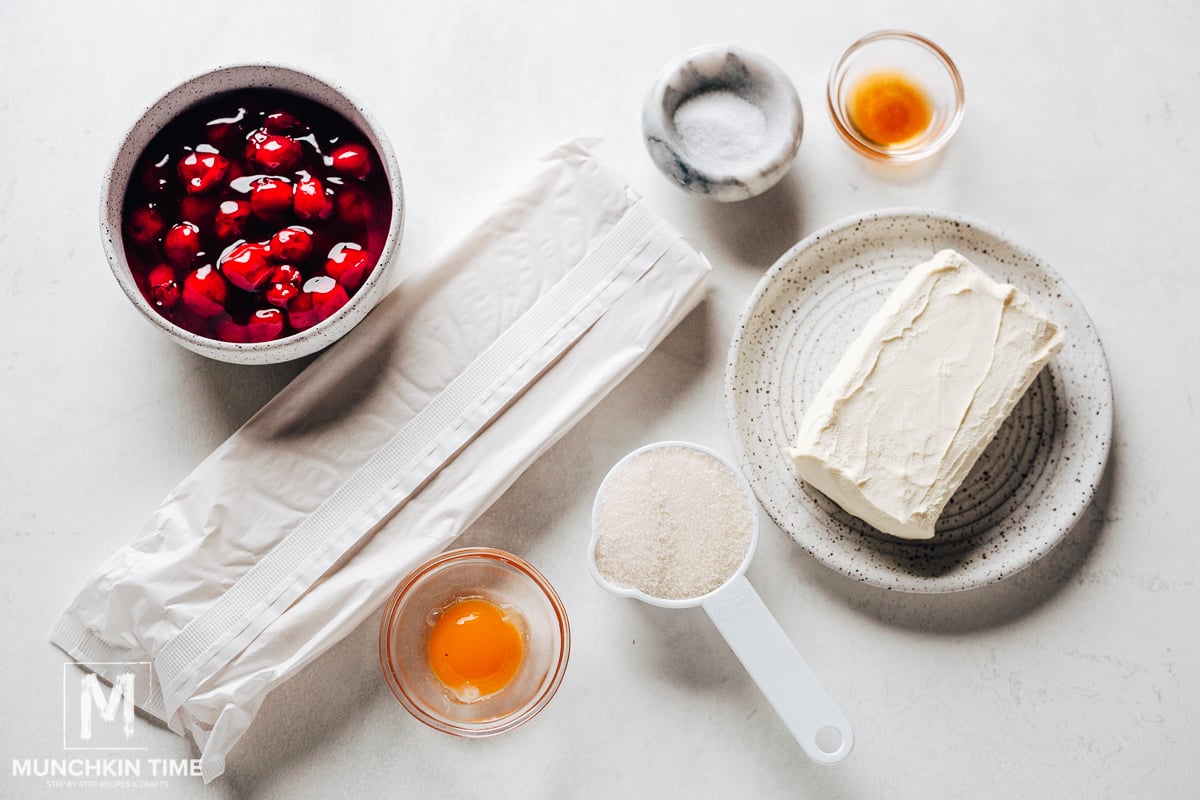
[[474, 648], [889, 108]]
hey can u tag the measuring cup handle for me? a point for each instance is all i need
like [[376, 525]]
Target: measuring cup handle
[[775, 665]]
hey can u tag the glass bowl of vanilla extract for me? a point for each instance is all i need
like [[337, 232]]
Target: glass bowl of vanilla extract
[[895, 97]]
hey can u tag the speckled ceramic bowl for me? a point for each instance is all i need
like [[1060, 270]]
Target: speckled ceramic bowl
[[709, 170], [201, 88], [1032, 483]]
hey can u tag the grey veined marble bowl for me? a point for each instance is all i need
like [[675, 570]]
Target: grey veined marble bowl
[[723, 122]]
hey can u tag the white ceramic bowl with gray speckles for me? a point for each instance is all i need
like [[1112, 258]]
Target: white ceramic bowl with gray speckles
[[1028, 489], [752, 77], [196, 90]]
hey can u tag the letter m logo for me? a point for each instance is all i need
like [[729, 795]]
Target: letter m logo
[[97, 716], [91, 695]]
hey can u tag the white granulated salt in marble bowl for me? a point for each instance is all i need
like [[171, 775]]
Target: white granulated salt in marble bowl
[[721, 129], [673, 522]]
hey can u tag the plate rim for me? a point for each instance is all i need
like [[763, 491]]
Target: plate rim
[[1092, 474]]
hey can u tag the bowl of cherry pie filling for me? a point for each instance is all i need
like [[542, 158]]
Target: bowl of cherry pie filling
[[252, 213]]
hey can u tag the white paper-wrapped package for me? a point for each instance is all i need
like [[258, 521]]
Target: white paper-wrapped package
[[385, 449]]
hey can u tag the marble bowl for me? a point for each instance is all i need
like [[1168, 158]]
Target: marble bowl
[[199, 89], [746, 139]]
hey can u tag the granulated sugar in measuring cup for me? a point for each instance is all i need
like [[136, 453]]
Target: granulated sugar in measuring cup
[[675, 525]]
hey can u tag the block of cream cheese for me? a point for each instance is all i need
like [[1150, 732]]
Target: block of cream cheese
[[921, 392]]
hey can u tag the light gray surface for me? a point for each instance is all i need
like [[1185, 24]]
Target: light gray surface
[[1073, 679]]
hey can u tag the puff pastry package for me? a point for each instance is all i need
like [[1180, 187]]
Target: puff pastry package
[[386, 448]]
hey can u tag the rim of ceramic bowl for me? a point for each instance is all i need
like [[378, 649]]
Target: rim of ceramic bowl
[[493, 727], [893, 155], [157, 115]]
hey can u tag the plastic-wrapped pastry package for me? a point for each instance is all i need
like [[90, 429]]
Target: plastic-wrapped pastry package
[[385, 449]]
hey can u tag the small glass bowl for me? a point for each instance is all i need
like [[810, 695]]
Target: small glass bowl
[[920, 60], [505, 580]]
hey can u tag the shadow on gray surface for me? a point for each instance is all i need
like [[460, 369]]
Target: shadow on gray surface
[[758, 230], [237, 391], [307, 712]]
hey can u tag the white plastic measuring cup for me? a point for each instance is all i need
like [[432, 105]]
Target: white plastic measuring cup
[[754, 636]]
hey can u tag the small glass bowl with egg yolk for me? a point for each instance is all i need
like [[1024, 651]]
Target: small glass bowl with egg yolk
[[474, 642]]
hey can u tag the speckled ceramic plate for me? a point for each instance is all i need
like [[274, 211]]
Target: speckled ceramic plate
[[1033, 481]]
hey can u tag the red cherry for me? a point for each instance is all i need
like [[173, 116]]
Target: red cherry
[[202, 171], [187, 319], [283, 285], [263, 326], [292, 245], [282, 122], [352, 160], [245, 266], [199, 208], [253, 140], [319, 298], [348, 264], [225, 135], [231, 218], [182, 244], [271, 198], [277, 153], [229, 331], [204, 292], [310, 200], [144, 225], [190, 320], [157, 178], [353, 205], [164, 290]]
